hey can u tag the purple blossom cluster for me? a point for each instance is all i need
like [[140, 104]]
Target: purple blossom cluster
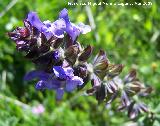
[[62, 63]]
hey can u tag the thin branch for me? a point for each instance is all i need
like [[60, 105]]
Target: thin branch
[[8, 7], [16, 102], [92, 22]]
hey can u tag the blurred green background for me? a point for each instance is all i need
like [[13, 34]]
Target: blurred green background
[[130, 35]]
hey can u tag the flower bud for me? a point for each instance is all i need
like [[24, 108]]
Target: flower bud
[[100, 93], [71, 54], [130, 77], [115, 70], [86, 53], [100, 64]]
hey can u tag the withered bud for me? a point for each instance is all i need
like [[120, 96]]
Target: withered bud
[[146, 91], [136, 108], [100, 93], [131, 76], [71, 54], [55, 42], [91, 91], [69, 41], [133, 87], [115, 70], [86, 53], [125, 99], [100, 64], [111, 86]]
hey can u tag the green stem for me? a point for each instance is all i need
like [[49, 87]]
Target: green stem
[[14, 101]]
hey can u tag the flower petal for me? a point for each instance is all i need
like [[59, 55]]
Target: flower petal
[[34, 20], [63, 73], [36, 74], [53, 84], [73, 31], [71, 28], [41, 85], [125, 99], [86, 53], [49, 84], [59, 93], [95, 81], [57, 28], [72, 84], [84, 28], [64, 15]]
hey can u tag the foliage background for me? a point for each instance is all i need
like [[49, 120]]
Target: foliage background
[[130, 35]]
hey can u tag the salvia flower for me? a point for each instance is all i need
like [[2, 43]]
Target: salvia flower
[[64, 65], [47, 28], [67, 75], [73, 30]]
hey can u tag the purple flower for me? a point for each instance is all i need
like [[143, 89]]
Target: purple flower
[[63, 73], [35, 21], [71, 81], [49, 29], [63, 64], [73, 30], [46, 81], [58, 55], [58, 27], [67, 83], [63, 79]]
